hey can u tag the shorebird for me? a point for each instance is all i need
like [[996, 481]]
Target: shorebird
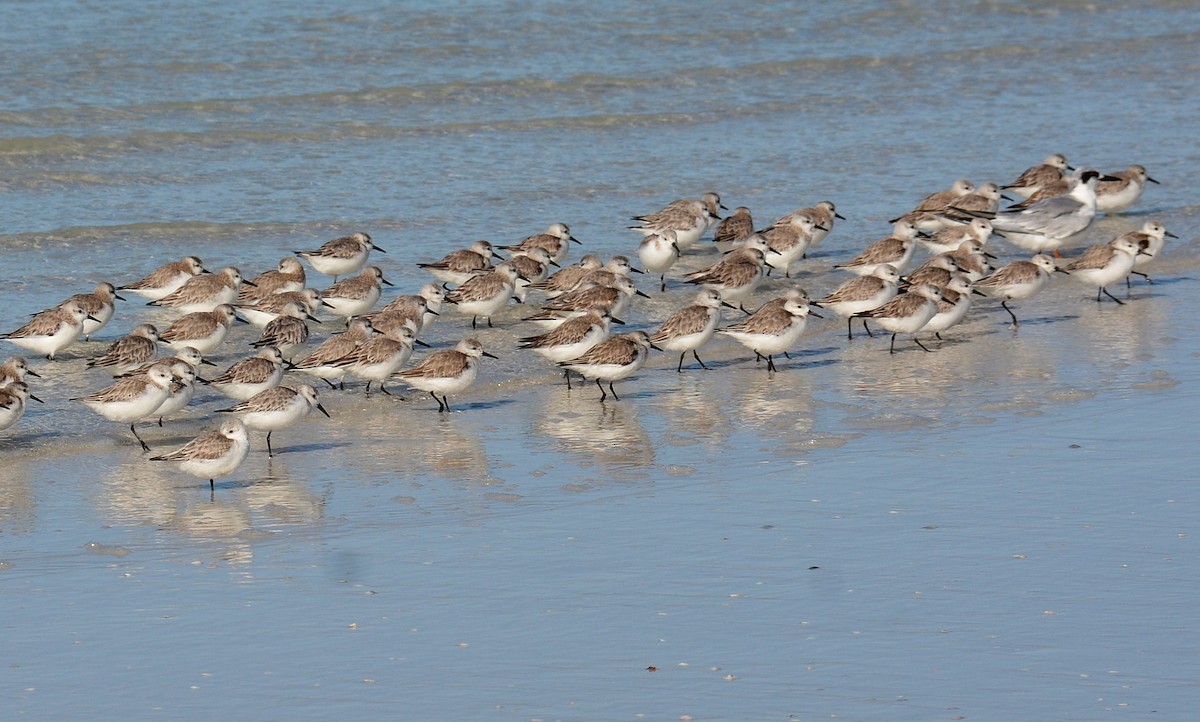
[[449, 371], [1018, 280], [133, 398], [213, 454], [52, 330], [341, 255], [164, 280], [617, 358]]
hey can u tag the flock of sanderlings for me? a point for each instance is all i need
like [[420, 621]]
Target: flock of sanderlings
[[581, 302]]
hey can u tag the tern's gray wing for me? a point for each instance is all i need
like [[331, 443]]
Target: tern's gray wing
[[1057, 217]]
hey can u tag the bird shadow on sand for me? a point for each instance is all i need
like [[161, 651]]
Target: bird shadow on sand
[[301, 448]]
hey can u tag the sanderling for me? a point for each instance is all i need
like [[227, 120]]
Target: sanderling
[[658, 252], [924, 215], [15, 369], [12, 403], [972, 259], [1047, 224], [165, 280], [949, 239], [532, 267], [202, 330], [99, 304], [486, 294], [277, 408], [186, 354], [896, 251], [1150, 240], [908, 312], [423, 306], [378, 358], [773, 329], [341, 255], [267, 310], [288, 332], [864, 293], [132, 398], [183, 388], [734, 229], [617, 267], [689, 220], [569, 277], [320, 362], [571, 339], [204, 292], [554, 240], [457, 266], [251, 375], [981, 202], [385, 321], [288, 277], [52, 330], [129, 352], [1018, 280], [937, 270], [1049, 189], [691, 327], [355, 296], [735, 276], [613, 300], [617, 358], [1114, 196], [788, 239], [823, 215], [448, 371], [956, 300], [1035, 177], [1105, 263], [214, 453]]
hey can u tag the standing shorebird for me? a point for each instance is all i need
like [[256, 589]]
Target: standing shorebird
[[203, 330], [658, 252], [772, 329], [277, 408], [908, 312], [287, 277], [457, 266], [449, 371], [1018, 280], [863, 293], [486, 294], [213, 454], [52, 330], [129, 352], [12, 403], [204, 292], [355, 296], [554, 240], [99, 304], [691, 327], [164, 280], [133, 398], [1105, 263], [341, 255], [617, 358], [252, 375]]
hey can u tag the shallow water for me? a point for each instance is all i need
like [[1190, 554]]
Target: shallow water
[[1000, 529]]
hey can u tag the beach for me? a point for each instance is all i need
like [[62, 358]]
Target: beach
[[1000, 528]]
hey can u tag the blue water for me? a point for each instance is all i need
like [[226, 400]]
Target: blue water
[[1000, 529]]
